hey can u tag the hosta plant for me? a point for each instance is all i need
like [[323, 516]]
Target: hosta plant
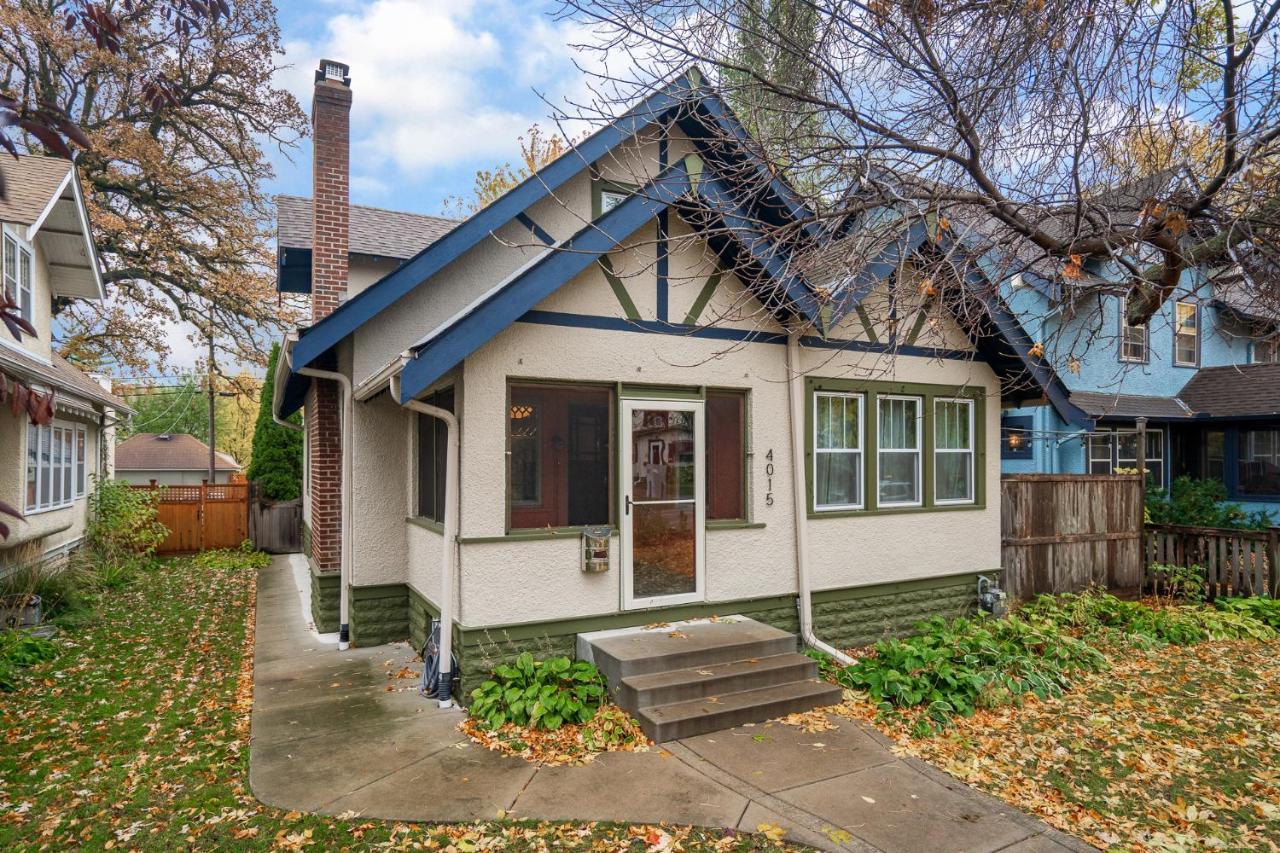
[[538, 694]]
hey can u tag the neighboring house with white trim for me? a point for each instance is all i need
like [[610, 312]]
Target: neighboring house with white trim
[[170, 459], [48, 256], [612, 363]]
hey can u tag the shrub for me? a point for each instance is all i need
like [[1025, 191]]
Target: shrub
[[1265, 610], [19, 650], [122, 523], [1102, 617], [65, 593], [1185, 583], [276, 461], [539, 694], [1202, 503]]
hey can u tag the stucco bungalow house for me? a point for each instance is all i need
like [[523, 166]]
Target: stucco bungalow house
[[611, 400], [46, 469]]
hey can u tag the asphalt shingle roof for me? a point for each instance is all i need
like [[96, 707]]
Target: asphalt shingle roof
[[62, 375], [30, 183], [371, 230], [1234, 391], [179, 451], [1104, 405]]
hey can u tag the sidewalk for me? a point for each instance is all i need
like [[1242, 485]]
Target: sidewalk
[[336, 732]]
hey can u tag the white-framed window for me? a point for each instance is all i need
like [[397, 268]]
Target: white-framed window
[[1266, 352], [1133, 339], [953, 451], [899, 451], [17, 274], [837, 451], [1109, 449], [1186, 334], [57, 457]]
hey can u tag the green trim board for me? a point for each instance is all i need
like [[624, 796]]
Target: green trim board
[[426, 523], [870, 392], [619, 289], [704, 296]]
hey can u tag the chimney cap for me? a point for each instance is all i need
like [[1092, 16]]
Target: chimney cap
[[331, 69]]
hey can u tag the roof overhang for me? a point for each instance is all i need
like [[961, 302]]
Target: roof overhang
[[66, 239]]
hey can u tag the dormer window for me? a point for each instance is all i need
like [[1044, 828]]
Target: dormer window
[[17, 275]]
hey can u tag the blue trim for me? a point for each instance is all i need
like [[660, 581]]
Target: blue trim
[[886, 262], [449, 345], [535, 229], [373, 300], [664, 228], [721, 333]]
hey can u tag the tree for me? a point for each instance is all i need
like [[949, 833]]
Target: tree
[[174, 180], [537, 149], [277, 451], [1003, 120]]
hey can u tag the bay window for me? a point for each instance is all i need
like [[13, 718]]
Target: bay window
[[837, 451], [953, 451], [56, 465], [899, 459]]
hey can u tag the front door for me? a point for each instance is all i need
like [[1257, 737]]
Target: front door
[[663, 511]]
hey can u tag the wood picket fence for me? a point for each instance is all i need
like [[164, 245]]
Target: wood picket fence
[[1235, 562]]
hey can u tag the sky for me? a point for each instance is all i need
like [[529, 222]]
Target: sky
[[440, 88]]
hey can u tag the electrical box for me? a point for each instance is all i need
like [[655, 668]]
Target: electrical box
[[595, 548]]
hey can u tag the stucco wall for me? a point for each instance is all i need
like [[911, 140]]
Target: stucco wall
[[170, 478]]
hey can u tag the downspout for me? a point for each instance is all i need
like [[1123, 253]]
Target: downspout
[[448, 567], [795, 393], [344, 559]]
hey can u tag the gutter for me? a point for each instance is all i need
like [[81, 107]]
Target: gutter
[[795, 396], [448, 563], [347, 427]]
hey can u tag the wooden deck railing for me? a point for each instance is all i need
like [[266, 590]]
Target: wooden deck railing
[[1235, 562]]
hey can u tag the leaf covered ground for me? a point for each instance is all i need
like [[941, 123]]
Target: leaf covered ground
[[1174, 748], [136, 737]]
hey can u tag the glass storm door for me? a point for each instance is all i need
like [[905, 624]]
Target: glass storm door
[[663, 505]]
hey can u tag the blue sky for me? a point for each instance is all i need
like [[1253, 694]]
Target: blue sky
[[441, 88]]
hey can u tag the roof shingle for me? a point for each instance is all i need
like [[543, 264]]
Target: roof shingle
[[1234, 391], [30, 183], [371, 230], [180, 451]]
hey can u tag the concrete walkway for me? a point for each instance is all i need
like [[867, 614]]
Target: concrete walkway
[[338, 732]]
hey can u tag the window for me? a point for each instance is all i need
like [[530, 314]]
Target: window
[[17, 275], [837, 451], [1215, 448], [726, 455], [560, 452], [1111, 449], [433, 447], [1267, 351], [1015, 437], [1133, 339], [953, 451], [1258, 467], [899, 451], [56, 462], [1186, 334], [606, 195]]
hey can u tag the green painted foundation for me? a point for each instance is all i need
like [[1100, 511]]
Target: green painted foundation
[[325, 588], [379, 614]]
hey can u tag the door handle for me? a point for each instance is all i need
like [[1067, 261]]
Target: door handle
[[628, 504]]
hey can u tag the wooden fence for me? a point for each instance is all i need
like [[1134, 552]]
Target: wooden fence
[[202, 517], [1235, 562], [1066, 532], [275, 526]]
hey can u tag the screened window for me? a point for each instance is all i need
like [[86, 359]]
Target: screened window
[[17, 275], [1112, 449], [953, 451], [1133, 339], [1258, 465], [837, 451], [1215, 447], [560, 447], [433, 446], [899, 451], [56, 461], [1099, 450], [1186, 334], [726, 455]]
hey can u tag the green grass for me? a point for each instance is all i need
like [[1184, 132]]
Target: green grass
[[136, 737]]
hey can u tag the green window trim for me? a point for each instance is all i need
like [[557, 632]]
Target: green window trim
[[871, 392]]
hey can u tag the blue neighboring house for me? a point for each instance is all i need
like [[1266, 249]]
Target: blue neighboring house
[[1204, 371]]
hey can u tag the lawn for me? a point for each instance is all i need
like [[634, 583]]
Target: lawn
[[1171, 748], [136, 737]]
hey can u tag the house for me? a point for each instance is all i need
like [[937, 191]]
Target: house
[[170, 459], [650, 413], [48, 256], [1202, 371]]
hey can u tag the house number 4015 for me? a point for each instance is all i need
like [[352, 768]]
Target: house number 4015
[[768, 474]]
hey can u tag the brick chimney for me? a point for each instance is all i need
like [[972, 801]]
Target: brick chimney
[[331, 142]]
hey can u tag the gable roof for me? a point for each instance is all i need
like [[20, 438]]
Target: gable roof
[[149, 451], [31, 182], [44, 196], [372, 231], [682, 97], [1234, 391]]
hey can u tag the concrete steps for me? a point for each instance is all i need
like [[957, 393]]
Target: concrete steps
[[689, 678]]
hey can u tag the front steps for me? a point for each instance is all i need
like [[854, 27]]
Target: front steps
[[689, 678]]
